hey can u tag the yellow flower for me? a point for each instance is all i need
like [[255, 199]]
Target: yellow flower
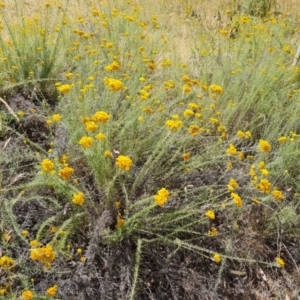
[[217, 257], [120, 221], [91, 126], [27, 295], [264, 146], [51, 292], [188, 113], [240, 134], [282, 139], [210, 214], [6, 262], [45, 255], [213, 231], [248, 134], [124, 162], [264, 186], [237, 199], [101, 117], [113, 84], [280, 262], [231, 150], [216, 89], [47, 165], [65, 88], [66, 173], [232, 185], [161, 197], [113, 66], [194, 129], [186, 156], [25, 233], [174, 125], [56, 118], [107, 153], [78, 199], [86, 142], [277, 195], [101, 136], [4, 289]]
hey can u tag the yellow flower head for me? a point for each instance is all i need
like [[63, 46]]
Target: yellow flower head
[[186, 156], [120, 221], [210, 214], [78, 199], [27, 295], [51, 292], [6, 262], [217, 257], [161, 197], [101, 136], [101, 117], [86, 142], [124, 162], [264, 186], [91, 126], [174, 125], [113, 84], [232, 185], [56, 118], [216, 89], [65, 88], [47, 165], [66, 173], [44, 255], [213, 231], [231, 150], [277, 195], [107, 153], [237, 199], [264, 146], [280, 262], [194, 130]]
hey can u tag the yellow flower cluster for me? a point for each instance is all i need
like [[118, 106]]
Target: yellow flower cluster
[[210, 214], [78, 199], [264, 185], [86, 142], [264, 146], [27, 295], [231, 150], [232, 185], [45, 255], [217, 257], [213, 231], [101, 117], [113, 84], [174, 125], [6, 262], [161, 197], [280, 262], [51, 292], [47, 165], [216, 89], [66, 173], [112, 67], [124, 162], [237, 199], [277, 195], [65, 88], [243, 134]]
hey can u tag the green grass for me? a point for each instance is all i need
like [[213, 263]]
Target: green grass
[[122, 61]]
